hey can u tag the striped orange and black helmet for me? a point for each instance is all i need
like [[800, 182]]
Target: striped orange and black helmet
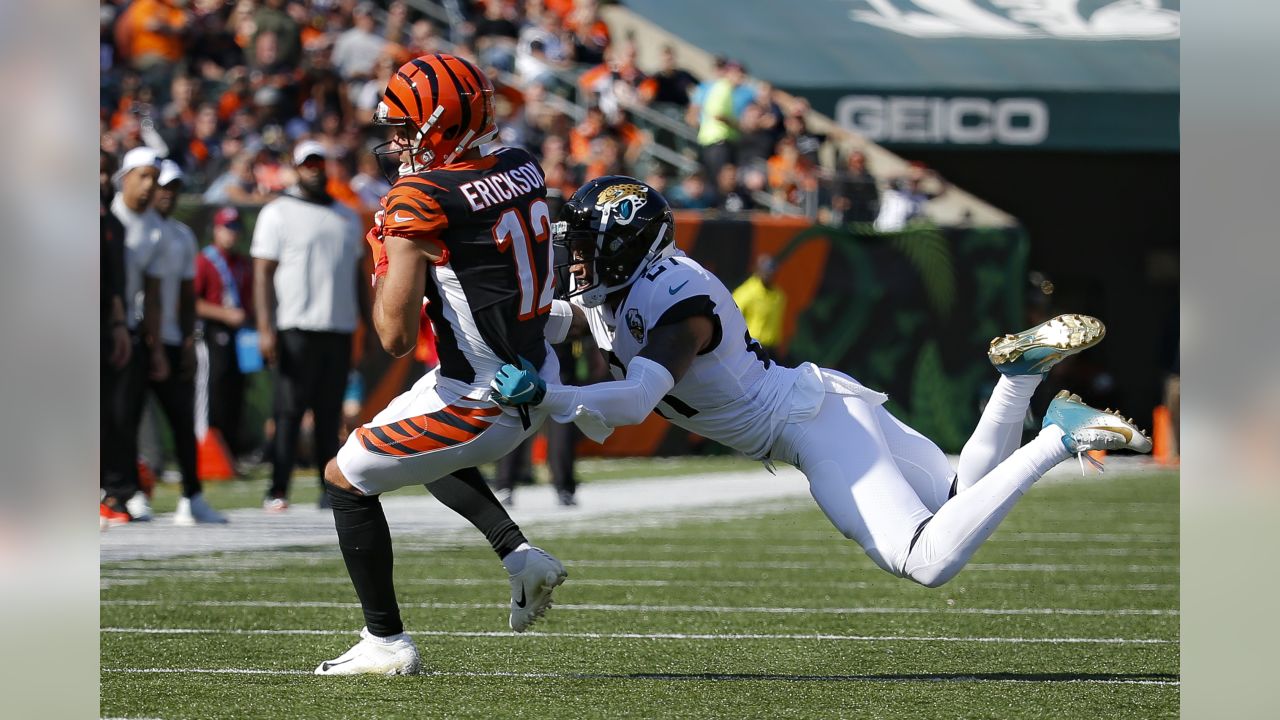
[[445, 105]]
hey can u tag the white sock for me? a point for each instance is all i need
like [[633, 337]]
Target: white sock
[[965, 521], [999, 429]]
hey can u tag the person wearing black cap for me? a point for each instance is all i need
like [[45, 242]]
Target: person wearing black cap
[[309, 292], [224, 304]]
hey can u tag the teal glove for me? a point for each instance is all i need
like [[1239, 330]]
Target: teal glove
[[515, 386]]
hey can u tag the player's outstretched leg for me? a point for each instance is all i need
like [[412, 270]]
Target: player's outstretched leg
[[533, 572], [1023, 359], [960, 526]]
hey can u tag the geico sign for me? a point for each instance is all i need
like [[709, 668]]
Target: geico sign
[[960, 120]]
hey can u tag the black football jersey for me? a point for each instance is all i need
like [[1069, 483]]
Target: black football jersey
[[491, 291]]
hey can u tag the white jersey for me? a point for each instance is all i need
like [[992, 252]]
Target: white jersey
[[732, 393]]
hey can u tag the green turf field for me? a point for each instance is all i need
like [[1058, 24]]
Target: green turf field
[[1070, 611]]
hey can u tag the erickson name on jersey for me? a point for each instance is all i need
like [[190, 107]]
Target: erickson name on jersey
[[491, 290]]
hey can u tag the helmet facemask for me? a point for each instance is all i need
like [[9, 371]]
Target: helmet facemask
[[612, 243]]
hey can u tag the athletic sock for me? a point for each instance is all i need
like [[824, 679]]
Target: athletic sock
[[999, 430], [466, 493], [365, 541]]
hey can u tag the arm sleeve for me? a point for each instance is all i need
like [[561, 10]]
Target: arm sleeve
[[599, 408], [559, 321]]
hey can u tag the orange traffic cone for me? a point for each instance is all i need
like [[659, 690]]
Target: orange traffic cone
[[538, 454], [1163, 449], [213, 459]]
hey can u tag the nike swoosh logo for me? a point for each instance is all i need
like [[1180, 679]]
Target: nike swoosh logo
[[522, 601], [327, 665], [676, 288], [401, 218], [1126, 432]]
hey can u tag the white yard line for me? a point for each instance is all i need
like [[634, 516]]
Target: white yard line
[[133, 577], [669, 636], [603, 607], [694, 677]]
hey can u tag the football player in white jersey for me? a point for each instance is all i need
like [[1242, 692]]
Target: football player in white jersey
[[678, 345]]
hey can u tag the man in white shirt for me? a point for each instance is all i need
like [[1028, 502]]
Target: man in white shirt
[[309, 292], [173, 372], [136, 184]]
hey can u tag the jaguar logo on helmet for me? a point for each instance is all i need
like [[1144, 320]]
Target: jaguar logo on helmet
[[622, 201]]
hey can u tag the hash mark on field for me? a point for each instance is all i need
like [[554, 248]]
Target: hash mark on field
[[720, 677], [666, 636], [676, 608]]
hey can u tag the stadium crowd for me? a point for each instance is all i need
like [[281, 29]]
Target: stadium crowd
[[226, 88]]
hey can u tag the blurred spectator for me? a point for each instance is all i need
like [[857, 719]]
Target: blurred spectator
[[855, 198], [237, 185], [496, 33], [422, 39], [541, 48], [763, 305], [796, 127], [692, 193], [150, 38], [757, 142], [173, 381], [143, 228], [116, 345], [369, 184], [657, 180], [356, 51], [699, 95], [670, 86], [308, 296], [224, 297], [614, 84], [366, 99], [272, 18], [590, 33], [719, 125], [731, 195], [606, 158], [906, 197]]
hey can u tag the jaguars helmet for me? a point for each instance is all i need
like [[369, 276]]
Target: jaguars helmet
[[618, 227]]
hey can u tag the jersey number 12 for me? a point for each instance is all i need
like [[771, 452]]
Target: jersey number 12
[[512, 231]]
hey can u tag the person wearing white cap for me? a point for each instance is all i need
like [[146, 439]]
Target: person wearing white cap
[[309, 292], [173, 373], [135, 181]]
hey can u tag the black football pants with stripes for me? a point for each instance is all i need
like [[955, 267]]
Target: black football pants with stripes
[[311, 373]]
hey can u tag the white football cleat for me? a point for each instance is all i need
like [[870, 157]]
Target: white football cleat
[[195, 510], [534, 574], [395, 655], [139, 507]]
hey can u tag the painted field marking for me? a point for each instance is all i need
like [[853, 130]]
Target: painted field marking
[[668, 636], [670, 608], [694, 677]]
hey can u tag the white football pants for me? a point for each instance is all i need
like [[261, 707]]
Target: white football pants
[[886, 486]]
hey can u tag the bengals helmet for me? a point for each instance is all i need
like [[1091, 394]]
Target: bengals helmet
[[616, 227], [443, 106]]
